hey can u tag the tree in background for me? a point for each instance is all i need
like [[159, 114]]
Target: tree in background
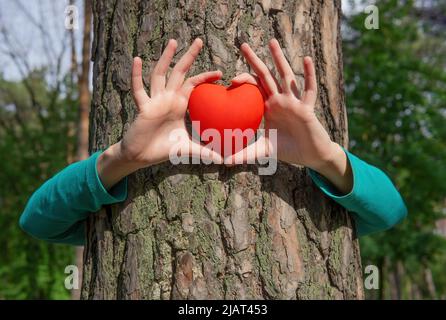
[[33, 142], [38, 109], [82, 70], [396, 98], [214, 232]]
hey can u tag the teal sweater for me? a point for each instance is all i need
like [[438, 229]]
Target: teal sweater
[[56, 212]]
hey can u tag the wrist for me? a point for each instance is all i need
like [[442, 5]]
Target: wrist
[[331, 160], [335, 167], [112, 166]]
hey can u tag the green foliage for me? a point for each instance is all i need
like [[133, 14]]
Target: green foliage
[[34, 124], [396, 100]]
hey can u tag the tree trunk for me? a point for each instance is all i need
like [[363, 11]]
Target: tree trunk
[[84, 90], [210, 232], [84, 110], [430, 284]]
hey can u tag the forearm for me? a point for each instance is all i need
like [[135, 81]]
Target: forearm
[[55, 212], [113, 166], [374, 200], [337, 169]]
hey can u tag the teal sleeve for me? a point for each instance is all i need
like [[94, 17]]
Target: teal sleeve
[[56, 212], [374, 201]]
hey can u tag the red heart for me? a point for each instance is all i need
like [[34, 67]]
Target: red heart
[[218, 107]]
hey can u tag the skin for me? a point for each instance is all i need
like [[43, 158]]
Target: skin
[[301, 138]]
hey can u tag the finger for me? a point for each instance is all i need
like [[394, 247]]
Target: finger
[[250, 79], [205, 77], [253, 152], [158, 78], [282, 65], [139, 93], [262, 71], [182, 67], [310, 94], [245, 78], [205, 154]]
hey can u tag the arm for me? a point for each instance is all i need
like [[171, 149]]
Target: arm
[[374, 201], [302, 140], [57, 210]]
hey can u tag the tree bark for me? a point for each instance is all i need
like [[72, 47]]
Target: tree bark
[[210, 232]]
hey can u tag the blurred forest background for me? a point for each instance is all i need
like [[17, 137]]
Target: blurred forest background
[[395, 82]]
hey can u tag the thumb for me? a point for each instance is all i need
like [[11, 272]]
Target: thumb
[[205, 77], [255, 151], [205, 154], [247, 78]]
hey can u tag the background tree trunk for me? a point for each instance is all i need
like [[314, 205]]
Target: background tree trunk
[[84, 110], [189, 232]]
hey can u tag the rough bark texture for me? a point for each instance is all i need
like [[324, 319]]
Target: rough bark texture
[[190, 232]]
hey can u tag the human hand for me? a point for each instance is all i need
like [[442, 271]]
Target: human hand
[[301, 138]]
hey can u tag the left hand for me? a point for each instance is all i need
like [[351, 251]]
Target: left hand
[[155, 133], [159, 129]]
